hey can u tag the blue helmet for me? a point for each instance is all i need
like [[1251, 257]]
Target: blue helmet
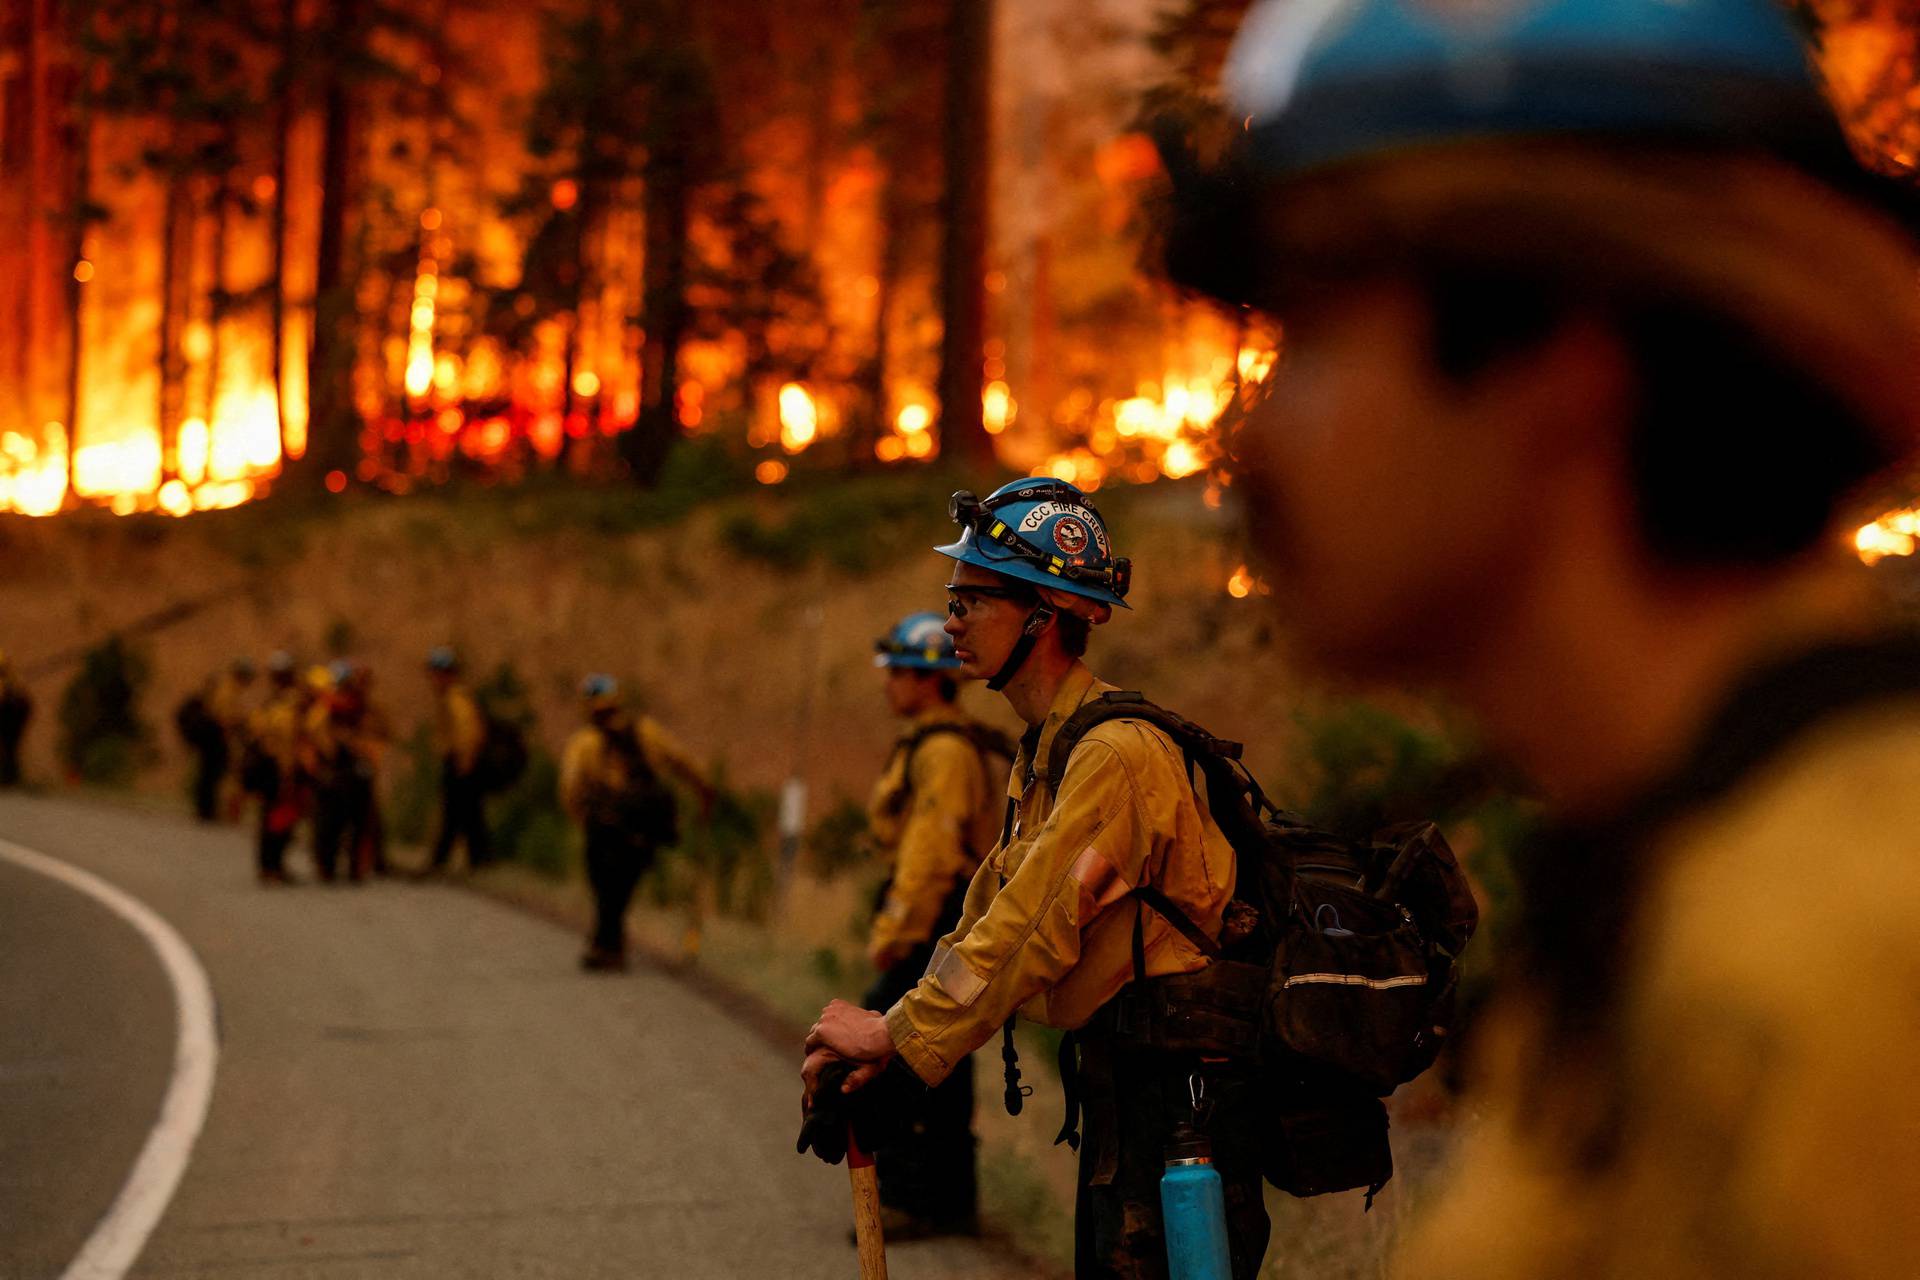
[[1321, 81], [1043, 532], [918, 642], [600, 690]]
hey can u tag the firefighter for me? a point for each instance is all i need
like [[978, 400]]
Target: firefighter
[[1593, 325], [271, 768], [1050, 925], [935, 811], [614, 783], [460, 731], [347, 737], [213, 722], [16, 708]]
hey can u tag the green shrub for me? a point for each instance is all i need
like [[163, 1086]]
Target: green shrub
[[528, 824], [838, 841], [102, 737], [413, 798], [857, 525], [731, 849]]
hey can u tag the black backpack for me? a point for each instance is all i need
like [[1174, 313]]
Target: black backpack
[[503, 754], [644, 808], [195, 722], [1349, 950], [988, 741]]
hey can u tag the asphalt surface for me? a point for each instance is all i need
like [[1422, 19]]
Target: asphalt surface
[[414, 1081]]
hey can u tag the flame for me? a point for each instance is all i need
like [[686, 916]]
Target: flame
[[1240, 584], [799, 422], [1896, 533], [997, 407]]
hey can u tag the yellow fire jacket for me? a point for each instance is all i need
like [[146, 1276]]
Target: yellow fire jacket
[[1763, 1115], [275, 727], [935, 813], [588, 769], [1056, 941], [459, 727], [226, 702]]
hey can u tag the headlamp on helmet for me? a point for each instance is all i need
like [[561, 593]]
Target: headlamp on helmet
[[983, 520]]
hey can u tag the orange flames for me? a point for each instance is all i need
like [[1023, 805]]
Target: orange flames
[[1897, 533]]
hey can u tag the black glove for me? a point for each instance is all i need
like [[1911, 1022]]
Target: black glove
[[880, 1113], [824, 1128]]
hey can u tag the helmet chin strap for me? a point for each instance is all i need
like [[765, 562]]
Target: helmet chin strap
[[1023, 647]]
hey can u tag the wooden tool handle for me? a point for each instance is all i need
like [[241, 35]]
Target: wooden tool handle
[[866, 1211]]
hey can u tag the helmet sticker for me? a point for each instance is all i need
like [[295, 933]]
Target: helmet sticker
[[1045, 511], [1086, 525], [927, 634], [1070, 535]]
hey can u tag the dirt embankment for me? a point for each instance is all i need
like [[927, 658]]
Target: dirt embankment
[[720, 621]]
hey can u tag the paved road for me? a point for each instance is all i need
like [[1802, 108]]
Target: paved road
[[413, 1082]]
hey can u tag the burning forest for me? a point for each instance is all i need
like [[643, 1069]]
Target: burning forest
[[328, 244]]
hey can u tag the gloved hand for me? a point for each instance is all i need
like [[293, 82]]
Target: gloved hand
[[824, 1126], [878, 1113]]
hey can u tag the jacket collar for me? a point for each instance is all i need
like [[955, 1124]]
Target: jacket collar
[[1079, 685]]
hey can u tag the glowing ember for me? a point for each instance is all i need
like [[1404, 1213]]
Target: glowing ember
[[1240, 585], [772, 471], [799, 422]]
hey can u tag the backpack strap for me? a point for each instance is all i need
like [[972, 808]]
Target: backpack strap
[[629, 747], [1234, 798]]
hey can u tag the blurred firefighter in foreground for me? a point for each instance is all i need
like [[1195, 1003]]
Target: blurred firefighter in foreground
[[270, 765], [1592, 328], [212, 722], [613, 782], [345, 740], [460, 732], [934, 812], [1052, 924], [16, 708]]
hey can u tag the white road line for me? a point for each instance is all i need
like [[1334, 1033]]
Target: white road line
[[117, 1241]]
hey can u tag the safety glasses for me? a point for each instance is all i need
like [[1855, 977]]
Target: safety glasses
[[958, 598]]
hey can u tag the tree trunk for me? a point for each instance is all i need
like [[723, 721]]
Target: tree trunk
[[77, 247], [217, 303], [664, 309], [172, 276], [886, 278], [331, 433], [963, 434], [282, 144], [31, 290]]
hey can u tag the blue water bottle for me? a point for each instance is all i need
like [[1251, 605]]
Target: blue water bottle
[[1194, 1209]]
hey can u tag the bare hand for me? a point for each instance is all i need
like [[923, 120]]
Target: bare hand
[[848, 1032]]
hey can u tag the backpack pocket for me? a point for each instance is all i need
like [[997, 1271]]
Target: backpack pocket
[[1351, 987], [1323, 1139]]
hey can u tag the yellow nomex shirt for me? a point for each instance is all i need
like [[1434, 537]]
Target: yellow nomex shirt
[[935, 811], [1055, 942]]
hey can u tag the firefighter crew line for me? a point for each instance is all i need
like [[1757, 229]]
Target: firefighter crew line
[[313, 751]]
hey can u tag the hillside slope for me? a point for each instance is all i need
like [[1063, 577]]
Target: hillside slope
[[719, 619]]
